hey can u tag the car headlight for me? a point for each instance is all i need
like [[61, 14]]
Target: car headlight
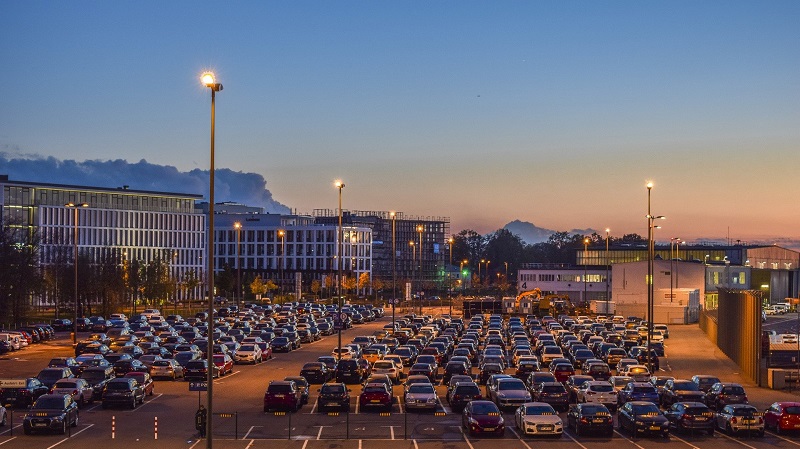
[[431, 400], [58, 418], [559, 424]]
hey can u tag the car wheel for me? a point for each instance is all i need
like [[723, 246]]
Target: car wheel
[[728, 429], [3, 422]]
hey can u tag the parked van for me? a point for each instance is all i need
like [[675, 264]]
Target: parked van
[[781, 307], [15, 341]]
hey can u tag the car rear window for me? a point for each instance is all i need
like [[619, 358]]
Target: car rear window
[[332, 389], [733, 390], [644, 389], [468, 390], [604, 388], [686, 386], [793, 410], [118, 386], [744, 411], [279, 388], [594, 410], [553, 389], [646, 409]]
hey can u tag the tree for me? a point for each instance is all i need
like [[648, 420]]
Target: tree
[[257, 287], [316, 286], [190, 282], [363, 282], [349, 283], [329, 284], [20, 276]]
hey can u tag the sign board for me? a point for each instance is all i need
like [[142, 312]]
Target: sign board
[[13, 383], [198, 386]]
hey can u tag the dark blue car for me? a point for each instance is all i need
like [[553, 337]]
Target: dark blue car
[[638, 391]]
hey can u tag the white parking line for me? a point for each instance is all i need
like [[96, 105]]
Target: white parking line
[[195, 443], [357, 405], [519, 437], [391, 430], [734, 439], [672, 435], [9, 430], [145, 403], [316, 401], [574, 440], [400, 404], [319, 434], [248, 431], [233, 373], [305, 443], [628, 439], [6, 441], [461, 429], [416, 446], [445, 408], [73, 435], [359, 444], [784, 439]]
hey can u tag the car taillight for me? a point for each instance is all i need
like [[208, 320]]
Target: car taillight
[[74, 392], [734, 420], [688, 417], [760, 420]]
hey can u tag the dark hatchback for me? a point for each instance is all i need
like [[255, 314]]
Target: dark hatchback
[[316, 372], [281, 344], [462, 394], [123, 391], [483, 417], [594, 418], [349, 371], [97, 377], [642, 417], [51, 412], [691, 416], [553, 393], [334, 396], [282, 395]]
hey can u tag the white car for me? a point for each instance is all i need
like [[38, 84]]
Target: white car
[[346, 353], [598, 392], [248, 353], [538, 418], [657, 337], [420, 396], [388, 367], [639, 373], [79, 389], [166, 368]]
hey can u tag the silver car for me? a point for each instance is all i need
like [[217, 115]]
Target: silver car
[[420, 396], [169, 368], [737, 418], [79, 389]]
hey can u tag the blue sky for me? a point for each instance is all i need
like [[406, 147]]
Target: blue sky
[[550, 112]]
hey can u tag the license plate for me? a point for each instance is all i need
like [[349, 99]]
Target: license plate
[[39, 424], [655, 428], [598, 420], [489, 429], [546, 427], [375, 401], [279, 395], [749, 421]]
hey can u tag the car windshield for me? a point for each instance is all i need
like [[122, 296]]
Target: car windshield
[[708, 380], [49, 402], [471, 390], [161, 363], [65, 384], [93, 376], [638, 370], [516, 385], [733, 390], [383, 365], [594, 409], [539, 410], [117, 386], [420, 388], [247, 348], [621, 381], [695, 410], [374, 389], [50, 375], [644, 389], [686, 386], [645, 409], [484, 408]]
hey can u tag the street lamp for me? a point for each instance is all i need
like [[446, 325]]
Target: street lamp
[[238, 227], [209, 81], [282, 235], [480, 278], [676, 241], [650, 270], [394, 265], [339, 185], [75, 207], [461, 273], [585, 256], [420, 273], [413, 270], [608, 233]]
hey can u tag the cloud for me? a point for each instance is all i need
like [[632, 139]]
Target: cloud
[[246, 188]]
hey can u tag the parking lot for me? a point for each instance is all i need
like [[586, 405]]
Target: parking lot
[[166, 417]]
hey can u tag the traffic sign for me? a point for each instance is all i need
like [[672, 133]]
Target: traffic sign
[[198, 386], [13, 383], [343, 316]]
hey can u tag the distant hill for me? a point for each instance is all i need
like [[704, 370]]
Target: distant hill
[[530, 233]]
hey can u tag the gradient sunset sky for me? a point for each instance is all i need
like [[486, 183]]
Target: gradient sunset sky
[[556, 113]]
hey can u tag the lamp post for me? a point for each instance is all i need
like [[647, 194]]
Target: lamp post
[[339, 185], [209, 81], [420, 230], [75, 207], [585, 249], [238, 227], [413, 270], [673, 264], [461, 273], [608, 296], [394, 265], [282, 235], [650, 274], [480, 278]]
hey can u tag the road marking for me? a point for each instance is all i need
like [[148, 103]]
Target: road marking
[[357, 405], [145, 403], [319, 434], [628, 439], [250, 444], [734, 439], [93, 407], [195, 443], [519, 437], [568, 436], [72, 436], [316, 401], [391, 430], [784, 439], [305, 443], [446, 409], [461, 429], [219, 379], [416, 446], [359, 444], [672, 435], [9, 430], [248, 432], [6, 441], [400, 404]]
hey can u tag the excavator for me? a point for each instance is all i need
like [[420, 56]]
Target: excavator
[[547, 304]]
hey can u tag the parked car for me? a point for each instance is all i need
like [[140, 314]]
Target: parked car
[[678, 390], [691, 416], [376, 395], [638, 391], [598, 392], [642, 417], [725, 393], [349, 371], [316, 373], [510, 392], [224, 362], [49, 376], [462, 393], [735, 418], [198, 370], [144, 380], [782, 416], [538, 418], [25, 396], [80, 390], [482, 417], [51, 412], [281, 394], [334, 396], [705, 381], [97, 377], [586, 418], [420, 396], [123, 391], [248, 353], [553, 393], [167, 368]]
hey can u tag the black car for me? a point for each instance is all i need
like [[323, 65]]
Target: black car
[[49, 376], [334, 396], [123, 367], [62, 324], [316, 372], [454, 368], [124, 391], [691, 416], [349, 371], [642, 417], [51, 412], [63, 362], [586, 418], [23, 397], [462, 394], [281, 344], [552, 393], [198, 370], [302, 386], [97, 377], [91, 347], [678, 390]]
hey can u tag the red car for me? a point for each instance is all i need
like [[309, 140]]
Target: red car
[[282, 395], [782, 416], [376, 395], [483, 417], [144, 380], [224, 362], [563, 371]]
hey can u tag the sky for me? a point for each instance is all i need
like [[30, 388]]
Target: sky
[[556, 113]]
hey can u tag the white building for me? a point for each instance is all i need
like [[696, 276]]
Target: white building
[[581, 284]]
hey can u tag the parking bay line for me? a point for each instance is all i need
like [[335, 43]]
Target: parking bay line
[[782, 438], [250, 444], [73, 435], [466, 440], [6, 441], [248, 432], [574, 440], [319, 434], [9, 430], [628, 439], [145, 403], [519, 437], [734, 439], [672, 435]]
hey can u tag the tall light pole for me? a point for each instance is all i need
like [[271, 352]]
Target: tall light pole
[[608, 298], [394, 265], [421, 273], [650, 275], [585, 249], [673, 264], [461, 273], [282, 235], [339, 185], [413, 270], [75, 207], [238, 227], [480, 278], [209, 81]]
